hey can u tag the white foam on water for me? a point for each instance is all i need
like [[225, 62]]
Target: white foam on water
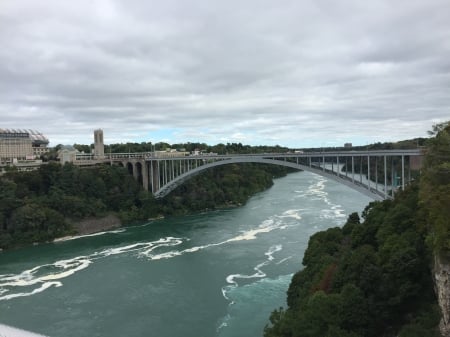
[[251, 234], [46, 274], [224, 323], [43, 287], [69, 267], [43, 273], [231, 279], [167, 255], [273, 250], [291, 213], [317, 192], [123, 249], [68, 238], [117, 231], [263, 294], [285, 259], [165, 242]]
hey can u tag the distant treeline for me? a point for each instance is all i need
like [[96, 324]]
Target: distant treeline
[[373, 278], [234, 148], [403, 144], [41, 205], [229, 148]]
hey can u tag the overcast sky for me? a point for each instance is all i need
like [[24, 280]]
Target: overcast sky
[[297, 73]]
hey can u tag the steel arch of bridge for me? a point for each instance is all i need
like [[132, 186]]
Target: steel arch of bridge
[[165, 174]]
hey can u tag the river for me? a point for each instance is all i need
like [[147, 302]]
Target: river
[[215, 274]]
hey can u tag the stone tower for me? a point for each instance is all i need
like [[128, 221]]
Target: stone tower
[[99, 147]]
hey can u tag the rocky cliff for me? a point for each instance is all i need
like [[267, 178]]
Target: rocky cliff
[[442, 285]]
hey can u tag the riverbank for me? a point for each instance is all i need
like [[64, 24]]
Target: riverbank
[[93, 225]]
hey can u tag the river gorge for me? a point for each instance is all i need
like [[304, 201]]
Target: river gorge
[[218, 273]]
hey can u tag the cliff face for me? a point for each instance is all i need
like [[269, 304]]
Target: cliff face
[[442, 284], [92, 225]]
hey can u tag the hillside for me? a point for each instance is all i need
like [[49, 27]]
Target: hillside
[[385, 276], [55, 200]]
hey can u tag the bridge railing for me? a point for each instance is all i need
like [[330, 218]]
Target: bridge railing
[[155, 170]]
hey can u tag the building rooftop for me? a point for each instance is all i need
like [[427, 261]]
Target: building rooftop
[[34, 135]]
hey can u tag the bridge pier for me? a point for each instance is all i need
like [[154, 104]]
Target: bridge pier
[[393, 182], [135, 171], [144, 174], [154, 175], [376, 174], [353, 169], [385, 177], [338, 166], [403, 172]]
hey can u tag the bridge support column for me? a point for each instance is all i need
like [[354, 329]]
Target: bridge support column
[[338, 166], [154, 175], [376, 173], [165, 173], [346, 167], [353, 169], [393, 182], [151, 176], [403, 172], [409, 169], [135, 171], [144, 174], [385, 178], [368, 172], [173, 169], [360, 169]]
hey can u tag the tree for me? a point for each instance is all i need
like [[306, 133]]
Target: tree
[[435, 187]]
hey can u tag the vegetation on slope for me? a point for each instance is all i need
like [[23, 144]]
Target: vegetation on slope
[[435, 189], [373, 278], [365, 279], [41, 205]]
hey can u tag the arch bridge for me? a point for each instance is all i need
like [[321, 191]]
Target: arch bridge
[[377, 174]]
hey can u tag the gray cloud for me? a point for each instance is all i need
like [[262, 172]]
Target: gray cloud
[[296, 73]]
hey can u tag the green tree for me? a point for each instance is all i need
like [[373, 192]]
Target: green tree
[[435, 187]]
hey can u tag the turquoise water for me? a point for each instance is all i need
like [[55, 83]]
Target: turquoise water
[[213, 274]]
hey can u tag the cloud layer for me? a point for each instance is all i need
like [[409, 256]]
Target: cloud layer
[[296, 73]]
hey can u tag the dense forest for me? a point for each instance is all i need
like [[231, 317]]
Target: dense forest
[[372, 278], [41, 205]]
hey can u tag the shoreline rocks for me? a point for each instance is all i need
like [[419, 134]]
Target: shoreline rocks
[[93, 225]]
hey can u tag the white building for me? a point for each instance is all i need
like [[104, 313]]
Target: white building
[[67, 154]]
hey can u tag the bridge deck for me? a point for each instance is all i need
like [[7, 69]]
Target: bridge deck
[[163, 172]]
